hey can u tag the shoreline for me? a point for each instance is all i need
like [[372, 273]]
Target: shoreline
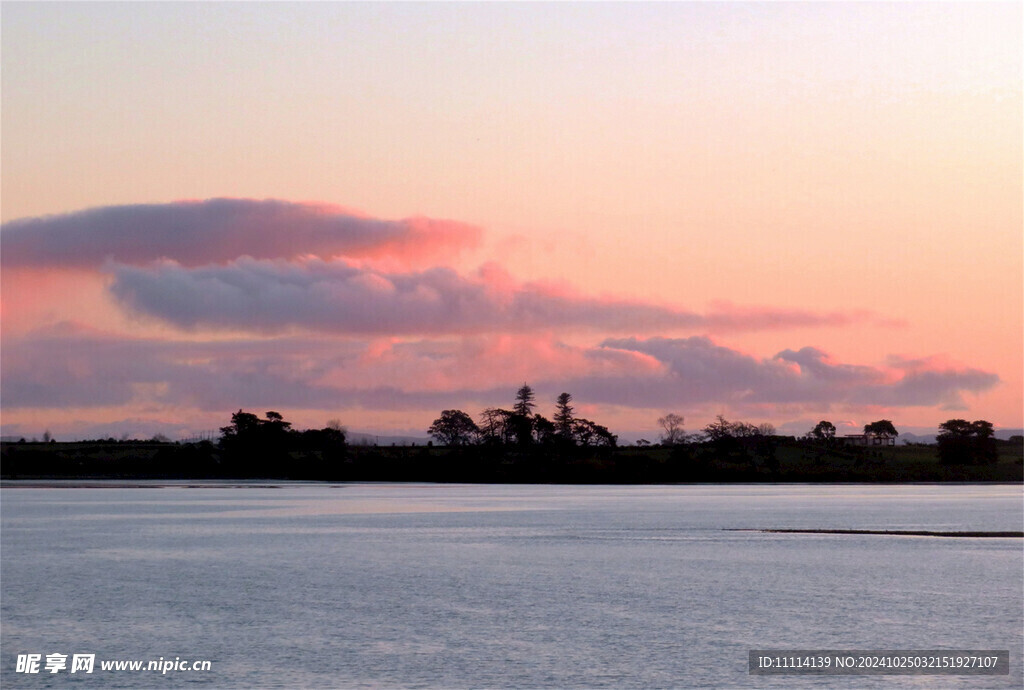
[[276, 483], [892, 533]]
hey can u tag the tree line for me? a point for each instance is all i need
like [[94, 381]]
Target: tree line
[[269, 447], [882, 430], [967, 443], [959, 441], [521, 426], [519, 444]]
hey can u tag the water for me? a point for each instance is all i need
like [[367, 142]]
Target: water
[[433, 586]]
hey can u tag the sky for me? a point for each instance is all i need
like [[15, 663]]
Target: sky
[[371, 212]]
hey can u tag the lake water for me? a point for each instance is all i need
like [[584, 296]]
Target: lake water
[[455, 586]]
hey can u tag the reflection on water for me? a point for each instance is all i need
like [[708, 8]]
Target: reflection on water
[[381, 585]]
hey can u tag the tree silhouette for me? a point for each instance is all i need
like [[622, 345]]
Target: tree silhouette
[[494, 426], [966, 443], [254, 446], [673, 426], [743, 430], [563, 416], [824, 431], [520, 427], [243, 425], [719, 429], [544, 430], [590, 434], [275, 426], [882, 429], [983, 429], [524, 401], [454, 428]]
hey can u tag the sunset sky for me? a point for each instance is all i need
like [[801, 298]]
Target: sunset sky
[[778, 212]]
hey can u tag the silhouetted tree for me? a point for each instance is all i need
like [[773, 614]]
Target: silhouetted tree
[[719, 429], [673, 426], [590, 434], [882, 429], [322, 454], [744, 430], [544, 430], [327, 439], [520, 428], [563, 416], [243, 425], [824, 431], [257, 447], [494, 426], [524, 401], [966, 443], [275, 428], [954, 441], [454, 428], [983, 429]]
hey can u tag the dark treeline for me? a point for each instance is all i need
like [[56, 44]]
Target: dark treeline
[[248, 448], [521, 427], [519, 445], [270, 448], [967, 443]]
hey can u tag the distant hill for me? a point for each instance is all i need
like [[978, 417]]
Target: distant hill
[[907, 437], [357, 438]]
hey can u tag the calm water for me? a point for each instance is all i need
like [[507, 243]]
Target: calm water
[[381, 585]]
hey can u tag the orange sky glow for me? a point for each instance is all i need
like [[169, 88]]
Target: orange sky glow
[[779, 212]]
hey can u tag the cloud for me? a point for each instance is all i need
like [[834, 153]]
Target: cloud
[[75, 367], [342, 297], [698, 371], [318, 308], [268, 266], [193, 233], [726, 316]]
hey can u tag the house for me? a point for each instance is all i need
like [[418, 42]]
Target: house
[[869, 439]]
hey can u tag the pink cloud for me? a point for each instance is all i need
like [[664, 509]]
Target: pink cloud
[[727, 316], [484, 362], [193, 233], [699, 371], [74, 367], [271, 266], [343, 297]]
